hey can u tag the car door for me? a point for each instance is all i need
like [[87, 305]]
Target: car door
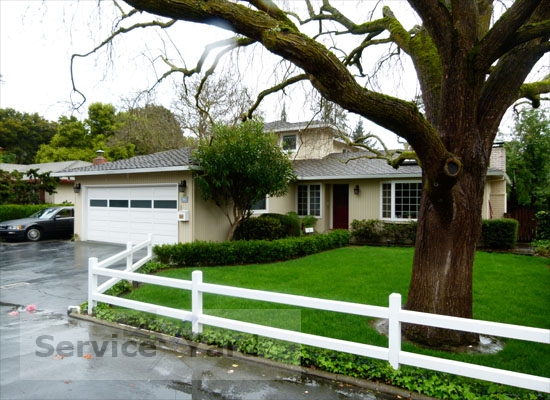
[[63, 225]]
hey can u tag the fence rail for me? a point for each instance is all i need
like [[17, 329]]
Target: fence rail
[[394, 314]]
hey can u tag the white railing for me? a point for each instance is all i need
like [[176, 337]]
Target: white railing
[[131, 266], [394, 314]]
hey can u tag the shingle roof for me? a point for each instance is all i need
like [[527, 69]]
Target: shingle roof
[[281, 126], [351, 165], [52, 167], [170, 160]]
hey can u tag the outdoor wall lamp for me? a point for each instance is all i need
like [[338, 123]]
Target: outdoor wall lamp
[[182, 186], [76, 187], [356, 189]]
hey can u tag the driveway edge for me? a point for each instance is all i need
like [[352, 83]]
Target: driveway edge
[[175, 344]]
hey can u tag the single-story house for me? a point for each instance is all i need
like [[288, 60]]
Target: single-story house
[[125, 200], [64, 191]]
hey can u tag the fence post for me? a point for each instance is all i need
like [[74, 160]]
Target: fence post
[[129, 257], [196, 301], [394, 330], [92, 284]]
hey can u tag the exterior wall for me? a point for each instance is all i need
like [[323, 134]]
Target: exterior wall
[[497, 198], [209, 221], [366, 204], [65, 194], [185, 229], [498, 158], [315, 143]]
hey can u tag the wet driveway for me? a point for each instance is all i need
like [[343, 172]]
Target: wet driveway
[[44, 354]]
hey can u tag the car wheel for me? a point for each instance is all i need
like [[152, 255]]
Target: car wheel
[[34, 234]]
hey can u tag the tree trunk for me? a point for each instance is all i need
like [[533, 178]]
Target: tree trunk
[[449, 226]]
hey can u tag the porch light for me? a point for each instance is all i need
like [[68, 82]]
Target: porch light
[[356, 189], [76, 187], [182, 186]]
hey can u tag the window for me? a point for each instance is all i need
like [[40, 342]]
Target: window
[[98, 203], [309, 200], [166, 204], [140, 203], [118, 203], [401, 200], [289, 142], [260, 206]]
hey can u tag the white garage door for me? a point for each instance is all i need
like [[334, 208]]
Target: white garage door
[[129, 213]]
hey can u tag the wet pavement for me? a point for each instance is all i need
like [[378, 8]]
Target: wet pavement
[[44, 354]]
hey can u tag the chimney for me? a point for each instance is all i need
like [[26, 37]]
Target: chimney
[[99, 159]]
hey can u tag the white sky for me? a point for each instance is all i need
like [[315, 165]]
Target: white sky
[[37, 39]]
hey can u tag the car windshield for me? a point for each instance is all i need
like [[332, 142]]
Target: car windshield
[[46, 213]]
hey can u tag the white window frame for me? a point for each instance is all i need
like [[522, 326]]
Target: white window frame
[[309, 203], [392, 202], [295, 142], [262, 210]]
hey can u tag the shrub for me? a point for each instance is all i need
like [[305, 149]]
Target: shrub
[[543, 225], [267, 228], [499, 233], [247, 251], [379, 232], [290, 223], [542, 247]]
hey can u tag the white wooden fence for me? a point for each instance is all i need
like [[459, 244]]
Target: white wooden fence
[[394, 314]]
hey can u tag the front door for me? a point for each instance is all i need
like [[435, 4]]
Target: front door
[[340, 206]]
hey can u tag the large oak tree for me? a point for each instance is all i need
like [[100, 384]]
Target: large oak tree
[[471, 65]]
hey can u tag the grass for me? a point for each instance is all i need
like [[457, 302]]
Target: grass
[[507, 288]]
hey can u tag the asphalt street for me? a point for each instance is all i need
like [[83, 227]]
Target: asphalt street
[[45, 354]]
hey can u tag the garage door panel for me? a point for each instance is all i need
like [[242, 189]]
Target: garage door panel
[[137, 219]]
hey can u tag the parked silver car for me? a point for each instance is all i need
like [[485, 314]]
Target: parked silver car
[[52, 222]]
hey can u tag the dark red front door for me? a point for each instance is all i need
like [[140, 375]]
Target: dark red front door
[[340, 208]]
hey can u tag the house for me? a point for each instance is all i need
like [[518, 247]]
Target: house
[[125, 200], [64, 191]]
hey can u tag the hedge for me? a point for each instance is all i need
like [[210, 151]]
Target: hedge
[[495, 234], [374, 231], [17, 211], [203, 253], [499, 233]]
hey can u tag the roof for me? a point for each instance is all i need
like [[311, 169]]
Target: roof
[[170, 160], [42, 168], [352, 166], [358, 165], [283, 126]]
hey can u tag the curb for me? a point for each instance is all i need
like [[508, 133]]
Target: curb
[[174, 344]]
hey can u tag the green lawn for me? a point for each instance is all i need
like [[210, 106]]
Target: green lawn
[[507, 288]]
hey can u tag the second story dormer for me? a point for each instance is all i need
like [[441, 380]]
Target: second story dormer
[[308, 140]]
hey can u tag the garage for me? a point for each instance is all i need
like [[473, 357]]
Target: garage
[[122, 214]]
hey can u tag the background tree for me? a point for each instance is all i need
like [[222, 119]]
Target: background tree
[[25, 188], [21, 134], [528, 160], [79, 140], [202, 102], [471, 65], [233, 170], [150, 129]]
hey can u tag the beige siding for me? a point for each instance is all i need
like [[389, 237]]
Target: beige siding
[[64, 194], [365, 205], [498, 198]]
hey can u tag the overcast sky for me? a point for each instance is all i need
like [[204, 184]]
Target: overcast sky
[[37, 39]]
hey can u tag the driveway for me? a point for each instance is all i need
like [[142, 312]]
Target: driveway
[[45, 354]]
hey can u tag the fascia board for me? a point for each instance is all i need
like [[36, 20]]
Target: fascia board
[[124, 171], [355, 177]]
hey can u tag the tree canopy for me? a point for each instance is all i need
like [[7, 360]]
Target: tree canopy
[[233, 169], [472, 59], [21, 134], [528, 160]]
